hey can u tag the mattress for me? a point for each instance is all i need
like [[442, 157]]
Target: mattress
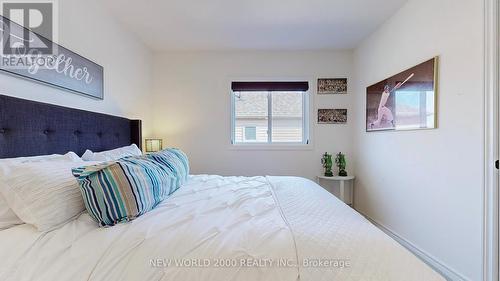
[[218, 228]]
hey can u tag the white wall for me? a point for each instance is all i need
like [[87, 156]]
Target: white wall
[[192, 108], [426, 185], [87, 29]]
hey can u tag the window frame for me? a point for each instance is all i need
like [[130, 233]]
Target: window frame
[[306, 126]]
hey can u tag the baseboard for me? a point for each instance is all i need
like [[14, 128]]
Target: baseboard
[[448, 273]]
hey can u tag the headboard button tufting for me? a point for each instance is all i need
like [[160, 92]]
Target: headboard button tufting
[[29, 128]]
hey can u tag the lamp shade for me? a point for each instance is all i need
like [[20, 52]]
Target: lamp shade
[[154, 145]]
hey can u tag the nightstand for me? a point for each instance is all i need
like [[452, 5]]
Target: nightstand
[[341, 180]]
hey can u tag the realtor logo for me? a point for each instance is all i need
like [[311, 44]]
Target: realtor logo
[[28, 28]]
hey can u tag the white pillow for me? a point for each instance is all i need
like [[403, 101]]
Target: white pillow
[[70, 156], [7, 216], [110, 155], [44, 194]]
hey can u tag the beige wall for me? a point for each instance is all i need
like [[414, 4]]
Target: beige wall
[[87, 29], [426, 186], [192, 108]]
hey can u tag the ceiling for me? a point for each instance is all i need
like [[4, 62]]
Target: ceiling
[[166, 25]]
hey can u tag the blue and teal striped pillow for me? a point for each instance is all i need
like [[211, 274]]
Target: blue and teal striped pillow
[[175, 160], [125, 189]]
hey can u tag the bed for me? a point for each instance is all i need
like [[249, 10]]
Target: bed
[[212, 228]]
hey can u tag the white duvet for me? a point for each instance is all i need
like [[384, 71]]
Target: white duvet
[[218, 228]]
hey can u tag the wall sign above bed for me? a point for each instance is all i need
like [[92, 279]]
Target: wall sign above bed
[[29, 55]]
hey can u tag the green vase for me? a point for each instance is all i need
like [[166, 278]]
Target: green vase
[[341, 164], [327, 164]]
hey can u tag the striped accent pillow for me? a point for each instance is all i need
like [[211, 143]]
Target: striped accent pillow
[[122, 190], [175, 160]]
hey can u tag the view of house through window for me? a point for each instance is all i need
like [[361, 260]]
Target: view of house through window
[[269, 117]]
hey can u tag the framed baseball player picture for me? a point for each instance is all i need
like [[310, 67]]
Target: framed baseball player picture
[[405, 101]]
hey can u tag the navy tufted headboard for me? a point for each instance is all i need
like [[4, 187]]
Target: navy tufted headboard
[[29, 128]]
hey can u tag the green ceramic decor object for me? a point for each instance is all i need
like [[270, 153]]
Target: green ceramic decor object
[[341, 164], [327, 164]]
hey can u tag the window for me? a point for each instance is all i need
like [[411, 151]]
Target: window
[[270, 112], [251, 133]]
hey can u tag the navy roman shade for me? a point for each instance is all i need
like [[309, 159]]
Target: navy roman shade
[[299, 86]]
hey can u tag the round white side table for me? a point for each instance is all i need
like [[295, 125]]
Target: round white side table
[[341, 181]]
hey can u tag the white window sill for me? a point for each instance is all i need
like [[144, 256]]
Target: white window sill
[[266, 146]]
